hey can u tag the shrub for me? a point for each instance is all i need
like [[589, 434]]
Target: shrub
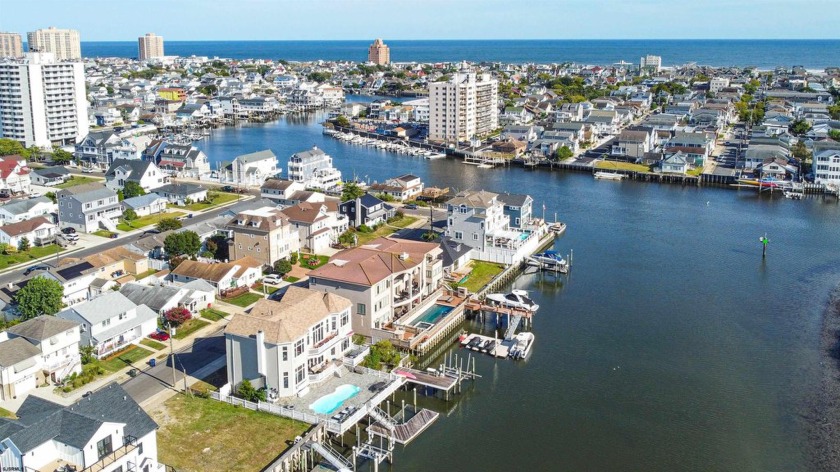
[[293, 259], [282, 266], [177, 316], [248, 392], [364, 229]]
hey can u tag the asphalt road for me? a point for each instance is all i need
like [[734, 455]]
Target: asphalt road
[[153, 380]]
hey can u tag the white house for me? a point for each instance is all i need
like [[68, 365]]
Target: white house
[[22, 210], [402, 188], [57, 340], [182, 193], [291, 344], [827, 167], [111, 322], [19, 368], [14, 175], [107, 431], [144, 173], [318, 226], [144, 205], [676, 163], [254, 168], [38, 231]]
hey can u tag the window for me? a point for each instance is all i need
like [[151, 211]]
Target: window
[[140, 449], [344, 318], [459, 235], [360, 309], [106, 322], [299, 348], [285, 353], [104, 447], [285, 380], [299, 374]]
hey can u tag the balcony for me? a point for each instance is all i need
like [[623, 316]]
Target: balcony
[[324, 345], [129, 444]]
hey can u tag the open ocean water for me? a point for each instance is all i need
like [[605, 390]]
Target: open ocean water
[[764, 54]]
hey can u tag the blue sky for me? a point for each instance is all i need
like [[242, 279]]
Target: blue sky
[[125, 20]]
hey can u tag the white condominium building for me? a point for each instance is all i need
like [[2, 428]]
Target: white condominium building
[[463, 108], [64, 43], [10, 45], [149, 46], [43, 101], [650, 63]]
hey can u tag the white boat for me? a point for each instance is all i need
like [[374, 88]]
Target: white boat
[[557, 227], [485, 166], [609, 176], [548, 260], [522, 345], [438, 155], [514, 299]]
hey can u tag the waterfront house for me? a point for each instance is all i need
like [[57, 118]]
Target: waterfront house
[[145, 205], [182, 193], [38, 231], [105, 431], [49, 176], [264, 234], [254, 168], [314, 169], [286, 192], [22, 210], [223, 276], [777, 168], [366, 210], [697, 147], [87, 207], [402, 188], [518, 208], [57, 342], [827, 167], [111, 322], [632, 144], [144, 173], [674, 163], [384, 279], [756, 154], [101, 148], [290, 344], [14, 175], [521, 133]]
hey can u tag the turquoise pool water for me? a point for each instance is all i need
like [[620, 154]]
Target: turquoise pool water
[[432, 315], [524, 236], [329, 403]]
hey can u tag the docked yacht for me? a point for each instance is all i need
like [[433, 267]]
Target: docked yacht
[[609, 176], [549, 260], [514, 299], [522, 345]]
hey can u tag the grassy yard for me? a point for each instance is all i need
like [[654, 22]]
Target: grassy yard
[[196, 432], [77, 180], [291, 279], [268, 289], [243, 300], [695, 171], [220, 199], [103, 232], [304, 259], [385, 230], [213, 314], [35, 252], [4, 413], [124, 358], [147, 220], [482, 273], [190, 327], [152, 344], [143, 275], [613, 165]]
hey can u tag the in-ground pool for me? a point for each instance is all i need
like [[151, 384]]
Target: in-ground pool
[[329, 403], [431, 316], [524, 235]]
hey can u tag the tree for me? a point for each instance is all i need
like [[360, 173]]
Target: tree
[[801, 152], [23, 244], [185, 243], [351, 191], [51, 196], [132, 189], [177, 316], [282, 266], [9, 147], [834, 134], [3, 248], [221, 251], [40, 296], [129, 214], [563, 153], [168, 224], [342, 121], [799, 127], [61, 157], [248, 392]]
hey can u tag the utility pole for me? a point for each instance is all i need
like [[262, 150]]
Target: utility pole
[[172, 356]]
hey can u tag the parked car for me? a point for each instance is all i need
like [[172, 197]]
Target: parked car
[[273, 279], [87, 170], [34, 268], [410, 206], [160, 336], [68, 230], [5, 193]]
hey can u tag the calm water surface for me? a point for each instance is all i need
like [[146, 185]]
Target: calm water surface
[[671, 346]]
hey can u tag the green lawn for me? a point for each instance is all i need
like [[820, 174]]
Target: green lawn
[[103, 232], [190, 327], [267, 289], [124, 358], [143, 275], [304, 259], [195, 433], [220, 199], [291, 279], [482, 273], [385, 230], [243, 300], [4, 413], [695, 171], [77, 180], [147, 220], [613, 165], [213, 314], [152, 344], [36, 252]]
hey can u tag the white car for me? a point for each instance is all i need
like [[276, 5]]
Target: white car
[[273, 279]]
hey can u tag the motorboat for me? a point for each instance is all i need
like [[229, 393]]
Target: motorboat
[[514, 299], [609, 176], [557, 227], [489, 346], [548, 258], [485, 346], [522, 345], [475, 341]]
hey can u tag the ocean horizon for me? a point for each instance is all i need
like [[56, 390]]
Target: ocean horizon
[[760, 53]]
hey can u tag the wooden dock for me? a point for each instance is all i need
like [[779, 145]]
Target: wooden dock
[[406, 432], [425, 379]]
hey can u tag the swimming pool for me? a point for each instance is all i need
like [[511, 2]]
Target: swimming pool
[[432, 315], [330, 402], [523, 236]]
